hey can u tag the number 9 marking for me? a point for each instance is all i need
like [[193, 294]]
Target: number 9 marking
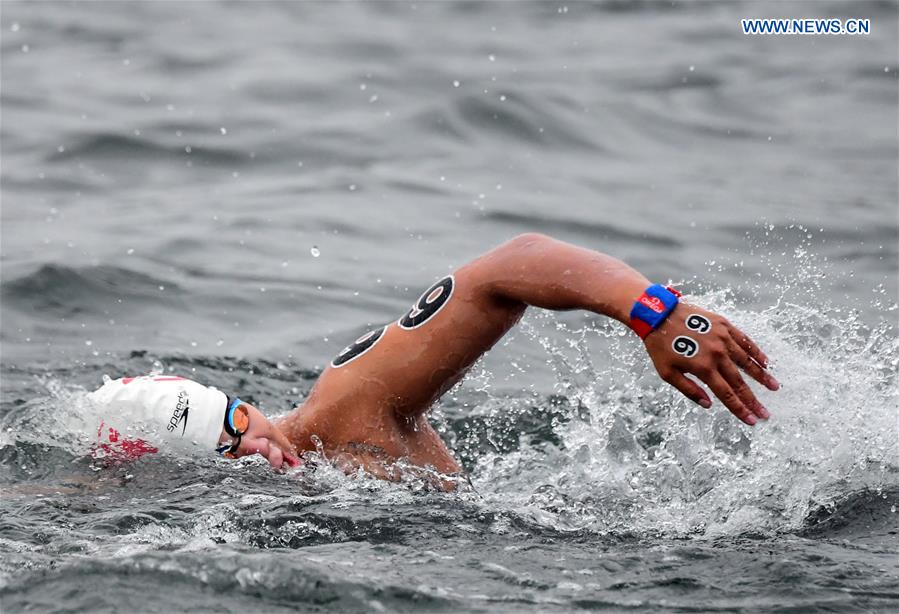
[[432, 301], [698, 323], [359, 347], [685, 346]]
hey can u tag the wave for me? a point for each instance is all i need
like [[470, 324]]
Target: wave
[[113, 146], [172, 581], [63, 290], [512, 114]]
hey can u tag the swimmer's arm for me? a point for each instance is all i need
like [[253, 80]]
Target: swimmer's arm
[[540, 271], [534, 269]]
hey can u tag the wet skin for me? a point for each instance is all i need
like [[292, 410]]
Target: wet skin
[[372, 410]]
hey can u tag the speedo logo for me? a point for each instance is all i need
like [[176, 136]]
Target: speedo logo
[[182, 408]]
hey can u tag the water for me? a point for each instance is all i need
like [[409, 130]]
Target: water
[[232, 192]]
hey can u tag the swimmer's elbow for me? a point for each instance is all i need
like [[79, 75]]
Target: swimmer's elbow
[[527, 241], [505, 269], [535, 269], [519, 253]]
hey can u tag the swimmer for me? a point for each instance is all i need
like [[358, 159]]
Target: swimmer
[[369, 408]]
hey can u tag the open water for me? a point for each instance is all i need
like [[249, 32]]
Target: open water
[[233, 191]]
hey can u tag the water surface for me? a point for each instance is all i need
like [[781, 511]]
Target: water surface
[[233, 191]]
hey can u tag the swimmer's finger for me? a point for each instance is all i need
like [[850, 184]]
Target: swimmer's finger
[[263, 447], [749, 346], [291, 460], [280, 440], [759, 357], [688, 388], [751, 367], [743, 391], [281, 459], [731, 400], [275, 457]]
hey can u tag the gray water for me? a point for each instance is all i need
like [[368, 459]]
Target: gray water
[[234, 191]]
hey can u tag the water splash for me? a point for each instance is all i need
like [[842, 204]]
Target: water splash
[[638, 458]]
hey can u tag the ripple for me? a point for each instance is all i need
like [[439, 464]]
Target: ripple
[[521, 117], [64, 290], [112, 146]]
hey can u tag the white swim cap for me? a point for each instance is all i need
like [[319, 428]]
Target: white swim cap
[[164, 410]]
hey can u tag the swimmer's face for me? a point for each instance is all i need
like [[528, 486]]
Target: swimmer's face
[[264, 438]]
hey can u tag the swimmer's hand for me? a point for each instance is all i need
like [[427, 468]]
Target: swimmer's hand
[[678, 348], [264, 438]]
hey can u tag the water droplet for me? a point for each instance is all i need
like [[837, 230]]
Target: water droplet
[[456, 83], [88, 343], [223, 130], [373, 98], [503, 97], [315, 251], [25, 48], [14, 27], [352, 187], [491, 57], [61, 148], [130, 251], [692, 68]]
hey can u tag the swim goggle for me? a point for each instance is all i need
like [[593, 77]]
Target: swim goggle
[[237, 421]]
